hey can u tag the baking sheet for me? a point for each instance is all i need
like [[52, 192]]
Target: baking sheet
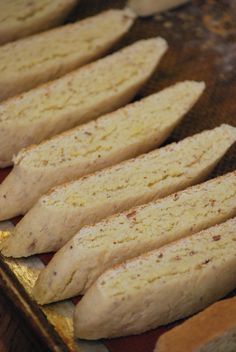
[[202, 46]]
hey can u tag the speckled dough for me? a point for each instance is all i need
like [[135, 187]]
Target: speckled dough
[[107, 141], [56, 217], [20, 18], [28, 62], [77, 97], [96, 248], [161, 286]]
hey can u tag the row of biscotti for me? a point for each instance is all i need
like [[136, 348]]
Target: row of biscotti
[[56, 217], [28, 62], [174, 280], [79, 96], [202, 257], [166, 284], [96, 248], [160, 286], [223, 137], [123, 134]]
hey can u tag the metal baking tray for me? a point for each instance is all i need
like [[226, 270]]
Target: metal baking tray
[[201, 37]]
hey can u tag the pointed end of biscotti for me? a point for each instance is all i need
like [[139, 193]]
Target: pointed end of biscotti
[[4, 234], [11, 196], [153, 49], [187, 90], [130, 13], [150, 45], [230, 130], [40, 291], [198, 86], [87, 317], [125, 17], [160, 43], [9, 246]]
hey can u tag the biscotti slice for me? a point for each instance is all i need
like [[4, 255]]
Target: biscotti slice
[[212, 330], [97, 248], [161, 286], [26, 63], [22, 17], [93, 146], [150, 7], [77, 97], [56, 217]]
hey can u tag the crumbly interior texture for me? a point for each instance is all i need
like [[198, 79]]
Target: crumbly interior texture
[[150, 172], [66, 42], [86, 86], [115, 131], [161, 286], [191, 253], [157, 221], [19, 10], [135, 232]]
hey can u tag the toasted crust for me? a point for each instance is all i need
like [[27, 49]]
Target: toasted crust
[[135, 232], [57, 216], [77, 97], [26, 63], [214, 329], [21, 18], [161, 286]]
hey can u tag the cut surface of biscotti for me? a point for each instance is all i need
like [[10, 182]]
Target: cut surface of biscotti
[[214, 329], [19, 18], [113, 138], [26, 63], [124, 236], [56, 217], [77, 97], [161, 286]]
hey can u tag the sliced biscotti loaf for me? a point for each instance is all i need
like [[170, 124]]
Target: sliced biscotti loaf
[[77, 97], [161, 286], [111, 139], [214, 329], [22, 17], [26, 63], [96, 248], [57, 216]]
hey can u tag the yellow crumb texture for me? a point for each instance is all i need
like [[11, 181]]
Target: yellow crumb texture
[[111, 133], [66, 42], [17, 11], [150, 172], [86, 86], [191, 253], [160, 221]]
